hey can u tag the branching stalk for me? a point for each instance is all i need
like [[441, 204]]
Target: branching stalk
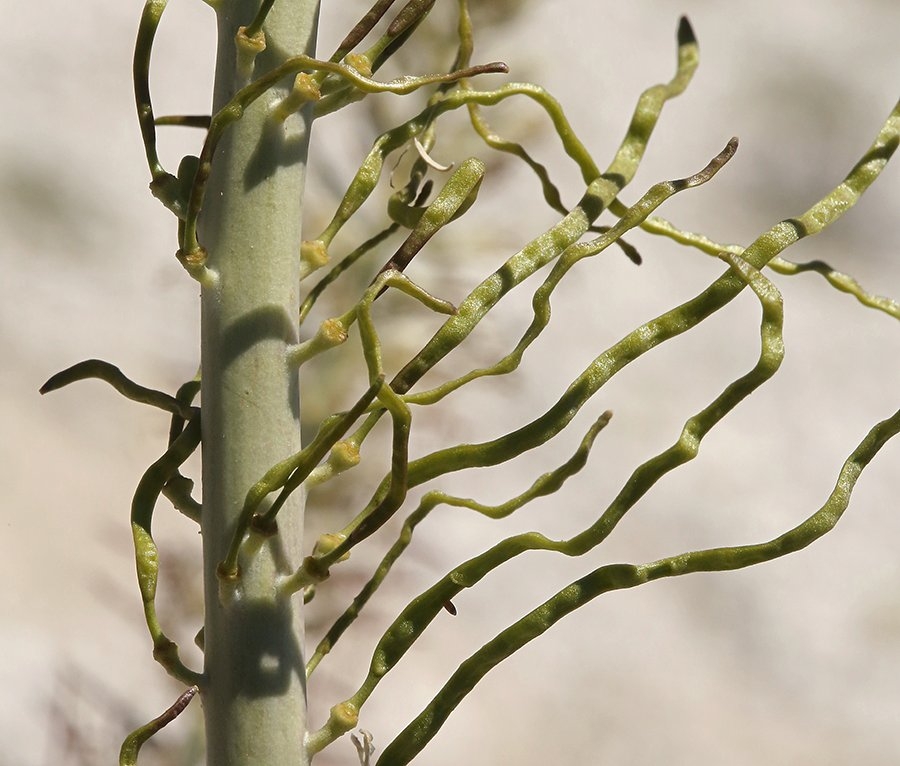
[[238, 211]]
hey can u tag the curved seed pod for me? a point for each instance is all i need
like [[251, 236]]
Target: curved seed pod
[[133, 743], [143, 48], [151, 485], [97, 368]]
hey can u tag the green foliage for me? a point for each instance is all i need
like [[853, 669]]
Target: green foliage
[[338, 82]]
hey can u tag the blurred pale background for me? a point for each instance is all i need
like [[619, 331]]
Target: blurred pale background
[[793, 662]]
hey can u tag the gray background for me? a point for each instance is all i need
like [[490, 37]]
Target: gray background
[[793, 662]]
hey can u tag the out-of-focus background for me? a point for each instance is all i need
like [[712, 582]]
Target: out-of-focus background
[[792, 662]]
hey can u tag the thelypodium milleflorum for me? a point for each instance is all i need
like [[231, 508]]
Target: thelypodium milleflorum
[[238, 216]]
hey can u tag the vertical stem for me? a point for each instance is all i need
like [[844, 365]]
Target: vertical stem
[[255, 696]]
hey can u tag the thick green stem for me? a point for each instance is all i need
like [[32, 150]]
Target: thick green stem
[[254, 692]]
